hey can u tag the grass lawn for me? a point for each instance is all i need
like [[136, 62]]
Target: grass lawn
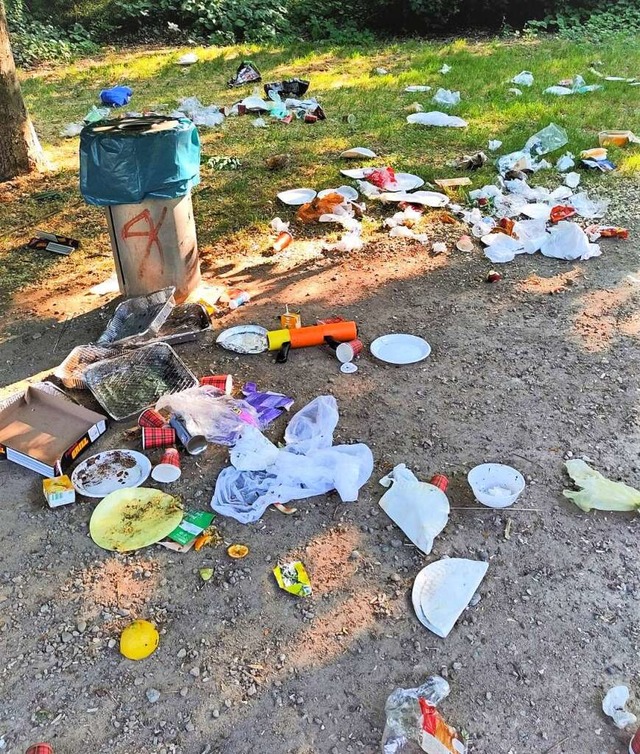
[[234, 207]]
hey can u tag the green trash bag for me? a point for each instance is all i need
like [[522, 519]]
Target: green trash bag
[[599, 492]]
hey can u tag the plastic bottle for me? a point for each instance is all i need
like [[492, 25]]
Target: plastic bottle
[[239, 298]]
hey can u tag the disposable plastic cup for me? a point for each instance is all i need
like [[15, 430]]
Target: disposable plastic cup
[[495, 484]]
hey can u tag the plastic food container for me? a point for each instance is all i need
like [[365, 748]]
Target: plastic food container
[[614, 138], [496, 485]]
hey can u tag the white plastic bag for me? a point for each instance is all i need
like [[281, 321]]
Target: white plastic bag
[[589, 208], [567, 240], [412, 505], [559, 91], [309, 465], [531, 233], [525, 78], [614, 704], [566, 162], [572, 180], [501, 248], [436, 118], [494, 144], [446, 97]]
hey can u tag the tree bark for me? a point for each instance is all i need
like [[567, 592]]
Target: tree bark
[[20, 151]]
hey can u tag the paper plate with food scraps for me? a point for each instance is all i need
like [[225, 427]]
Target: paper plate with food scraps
[[109, 471], [244, 339]]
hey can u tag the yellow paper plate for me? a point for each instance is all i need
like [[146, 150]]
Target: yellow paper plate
[[129, 519]]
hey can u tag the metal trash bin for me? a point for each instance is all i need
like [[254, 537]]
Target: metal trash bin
[[142, 171]]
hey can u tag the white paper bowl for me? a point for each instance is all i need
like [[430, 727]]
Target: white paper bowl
[[489, 476]]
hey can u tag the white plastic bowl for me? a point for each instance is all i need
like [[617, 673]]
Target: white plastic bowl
[[496, 485]]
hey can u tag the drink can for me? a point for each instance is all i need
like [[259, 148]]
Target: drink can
[[193, 444], [634, 744], [158, 437], [40, 749], [310, 118], [151, 418]]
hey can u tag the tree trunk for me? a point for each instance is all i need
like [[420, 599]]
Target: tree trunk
[[20, 150]]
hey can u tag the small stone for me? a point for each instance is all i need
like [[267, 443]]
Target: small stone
[[190, 727], [182, 653], [355, 555], [66, 637], [396, 543], [396, 577], [81, 625], [475, 599], [216, 713], [488, 696], [184, 691], [111, 643], [153, 695], [227, 703], [195, 671], [457, 666]]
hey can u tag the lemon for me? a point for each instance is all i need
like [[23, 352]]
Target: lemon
[[138, 640]]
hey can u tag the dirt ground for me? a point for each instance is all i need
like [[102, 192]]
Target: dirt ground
[[530, 370]]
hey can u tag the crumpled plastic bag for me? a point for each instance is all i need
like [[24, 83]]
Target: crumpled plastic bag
[[531, 233], [436, 118], [421, 516], [207, 411], [567, 240], [414, 725], [547, 140], [501, 248], [566, 162], [382, 178], [599, 492], [525, 78], [446, 97], [351, 241], [307, 466], [199, 114], [589, 208], [614, 704], [117, 96]]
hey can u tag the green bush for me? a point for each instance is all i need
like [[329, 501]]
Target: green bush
[[36, 32], [34, 41], [214, 21], [592, 21]]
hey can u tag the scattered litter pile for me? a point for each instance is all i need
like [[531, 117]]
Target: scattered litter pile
[[132, 370]]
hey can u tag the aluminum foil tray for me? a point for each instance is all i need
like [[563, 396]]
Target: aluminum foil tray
[[126, 385], [184, 324], [138, 319], [71, 371]]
